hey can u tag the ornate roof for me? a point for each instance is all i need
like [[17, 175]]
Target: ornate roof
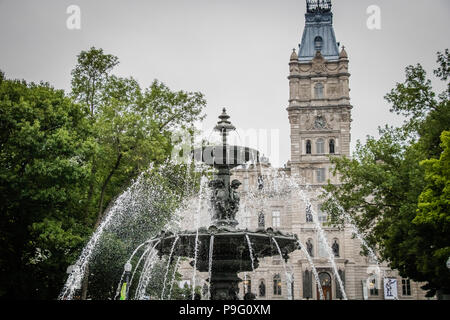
[[318, 34]]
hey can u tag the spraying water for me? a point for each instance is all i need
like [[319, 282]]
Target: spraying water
[[210, 262], [313, 267], [168, 266], [173, 277], [251, 251], [323, 239], [288, 275]]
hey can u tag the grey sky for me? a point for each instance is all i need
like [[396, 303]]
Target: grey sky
[[235, 52]]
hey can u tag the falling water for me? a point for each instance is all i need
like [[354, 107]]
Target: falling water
[[210, 262], [173, 277], [123, 201], [349, 221], [323, 239], [250, 249], [202, 183], [313, 267], [146, 273], [149, 249], [288, 276], [168, 266], [129, 261]]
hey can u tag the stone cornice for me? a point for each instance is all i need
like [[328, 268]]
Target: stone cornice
[[306, 77], [311, 108]]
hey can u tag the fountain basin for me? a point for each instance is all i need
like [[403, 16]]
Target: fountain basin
[[231, 253]]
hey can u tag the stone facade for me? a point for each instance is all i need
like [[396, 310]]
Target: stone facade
[[319, 114]]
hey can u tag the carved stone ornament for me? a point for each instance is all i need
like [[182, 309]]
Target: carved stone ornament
[[294, 119], [318, 64], [320, 123], [345, 117]]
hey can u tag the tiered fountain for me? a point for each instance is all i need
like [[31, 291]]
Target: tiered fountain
[[224, 250]]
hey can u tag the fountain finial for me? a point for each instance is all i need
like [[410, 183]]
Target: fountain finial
[[224, 126]]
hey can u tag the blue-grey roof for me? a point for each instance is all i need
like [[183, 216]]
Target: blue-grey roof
[[318, 24]]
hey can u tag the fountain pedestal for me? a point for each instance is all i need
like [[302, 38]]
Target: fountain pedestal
[[234, 250]]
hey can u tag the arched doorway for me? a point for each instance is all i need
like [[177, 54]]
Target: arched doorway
[[325, 282]]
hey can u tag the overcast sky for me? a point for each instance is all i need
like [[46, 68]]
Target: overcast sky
[[236, 52]]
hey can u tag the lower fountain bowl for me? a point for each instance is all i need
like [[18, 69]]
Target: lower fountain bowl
[[231, 249]]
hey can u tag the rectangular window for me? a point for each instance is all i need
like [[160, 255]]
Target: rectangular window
[[321, 215], [245, 184], [248, 220], [276, 219], [320, 175], [323, 252], [277, 286], [373, 287], [406, 287]]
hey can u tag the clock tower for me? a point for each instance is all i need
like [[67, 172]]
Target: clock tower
[[319, 101]]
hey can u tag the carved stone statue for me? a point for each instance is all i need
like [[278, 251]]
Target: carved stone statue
[[260, 182], [262, 289], [261, 220], [309, 217], [234, 199], [219, 198], [309, 247], [335, 248]]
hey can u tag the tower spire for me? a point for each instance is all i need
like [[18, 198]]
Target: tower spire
[[318, 34]]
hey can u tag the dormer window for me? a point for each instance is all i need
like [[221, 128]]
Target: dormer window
[[318, 42]]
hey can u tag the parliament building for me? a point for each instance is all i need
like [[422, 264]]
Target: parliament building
[[319, 112]]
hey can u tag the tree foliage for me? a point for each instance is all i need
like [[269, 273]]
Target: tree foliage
[[65, 158], [43, 171], [396, 197]]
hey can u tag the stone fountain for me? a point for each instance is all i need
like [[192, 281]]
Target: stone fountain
[[223, 249]]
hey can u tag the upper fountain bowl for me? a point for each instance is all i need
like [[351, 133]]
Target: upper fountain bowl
[[225, 155]]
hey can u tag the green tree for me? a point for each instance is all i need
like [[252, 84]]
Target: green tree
[[381, 185], [43, 147], [433, 215], [133, 127]]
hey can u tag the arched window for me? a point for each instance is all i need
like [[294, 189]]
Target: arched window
[[373, 285], [325, 282], [277, 285], [320, 146], [308, 146], [318, 90], [318, 42], [331, 145]]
